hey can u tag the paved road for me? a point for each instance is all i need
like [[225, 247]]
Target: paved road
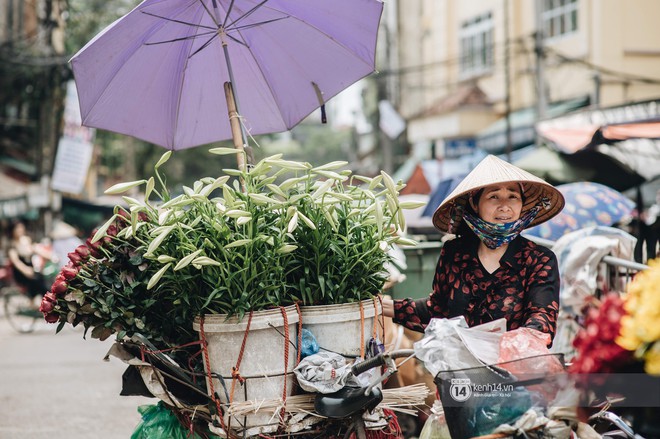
[[56, 386]]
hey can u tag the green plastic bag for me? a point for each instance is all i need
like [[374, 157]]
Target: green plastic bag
[[158, 422]]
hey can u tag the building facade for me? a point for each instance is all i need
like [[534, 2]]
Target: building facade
[[32, 74], [465, 65]]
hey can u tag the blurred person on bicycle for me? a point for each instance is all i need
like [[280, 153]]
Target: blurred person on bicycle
[[28, 260], [486, 270]]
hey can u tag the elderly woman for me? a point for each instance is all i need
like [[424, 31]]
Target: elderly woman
[[489, 271]]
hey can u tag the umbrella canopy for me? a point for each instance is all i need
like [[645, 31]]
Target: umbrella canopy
[[587, 204], [158, 73]]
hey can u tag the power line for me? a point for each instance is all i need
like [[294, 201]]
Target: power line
[[621, 75], [443, 63]]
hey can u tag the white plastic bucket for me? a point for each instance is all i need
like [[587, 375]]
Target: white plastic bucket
[[262, 365], [338, 328]]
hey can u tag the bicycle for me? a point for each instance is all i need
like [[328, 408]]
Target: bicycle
[[20, 309], [349, 403], [184, 393], [343, 410]]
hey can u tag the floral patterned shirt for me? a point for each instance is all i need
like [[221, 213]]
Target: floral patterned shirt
[[524, 289]]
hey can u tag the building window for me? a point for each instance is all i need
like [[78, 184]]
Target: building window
[[476, 39], [559, 17]]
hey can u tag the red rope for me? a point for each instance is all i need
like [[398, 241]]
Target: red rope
[[210, 379], [393, 430], [191, 361], [382, 317], [235, 374], [286, 362]]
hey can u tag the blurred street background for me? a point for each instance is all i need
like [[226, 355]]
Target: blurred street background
[[566, 89], [58, 386]]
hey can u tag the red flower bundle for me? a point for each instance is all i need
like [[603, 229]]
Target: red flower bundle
[[597, 350]]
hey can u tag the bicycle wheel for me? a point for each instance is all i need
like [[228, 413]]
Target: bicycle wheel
[[20, 311]]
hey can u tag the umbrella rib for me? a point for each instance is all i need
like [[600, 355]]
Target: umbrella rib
[[248, 13], [243, 43], [179, 21], [210, 14], [181, 39], [231, 6], [203, 46], [248, 26]]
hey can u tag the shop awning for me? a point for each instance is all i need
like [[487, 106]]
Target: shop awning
[[553, 167], [581, 129], [628, 135], [493, 139]]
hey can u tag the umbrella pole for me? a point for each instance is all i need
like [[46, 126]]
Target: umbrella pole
[[236, 132]]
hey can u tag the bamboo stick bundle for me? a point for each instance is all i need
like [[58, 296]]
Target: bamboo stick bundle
[[402, 399]]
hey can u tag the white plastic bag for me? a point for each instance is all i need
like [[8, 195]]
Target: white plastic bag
[[435, 426]]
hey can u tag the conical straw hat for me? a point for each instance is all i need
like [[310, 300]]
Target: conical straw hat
[[492, 170]]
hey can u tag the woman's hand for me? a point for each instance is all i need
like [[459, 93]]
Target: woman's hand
[[15, 260], [388, 307]]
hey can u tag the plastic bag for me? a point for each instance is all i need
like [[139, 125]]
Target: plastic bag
[[435, 426], [527, 343], [325, 372], [158, 422], [442, 349], [309, 344]]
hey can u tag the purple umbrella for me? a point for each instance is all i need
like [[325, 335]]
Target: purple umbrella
[[159, 72]]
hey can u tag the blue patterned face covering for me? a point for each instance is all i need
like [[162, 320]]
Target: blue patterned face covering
[[494, 235]]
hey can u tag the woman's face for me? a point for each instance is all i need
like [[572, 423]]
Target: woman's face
[[19, 230], [500, 203]]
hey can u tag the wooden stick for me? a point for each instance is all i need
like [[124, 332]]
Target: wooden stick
[[235, 124]]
